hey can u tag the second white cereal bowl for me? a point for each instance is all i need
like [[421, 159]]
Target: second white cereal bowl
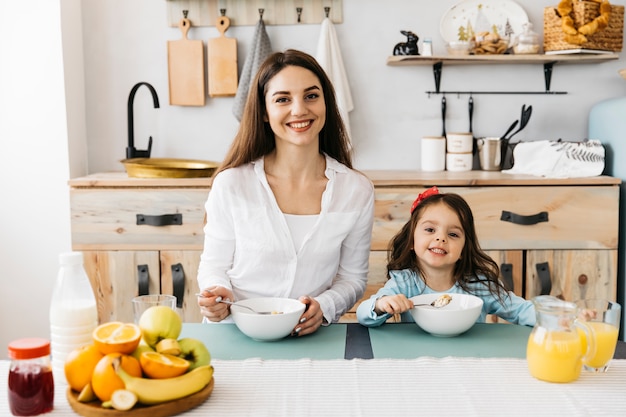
[[451, 320]]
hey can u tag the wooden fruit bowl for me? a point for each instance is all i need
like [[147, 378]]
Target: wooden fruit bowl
[[170, 408]]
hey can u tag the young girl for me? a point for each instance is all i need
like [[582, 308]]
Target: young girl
[[437, 251]]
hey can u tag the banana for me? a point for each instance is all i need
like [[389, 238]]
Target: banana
[[156, 391]]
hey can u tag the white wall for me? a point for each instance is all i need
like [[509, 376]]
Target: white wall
[[34, 166], [126, 42]]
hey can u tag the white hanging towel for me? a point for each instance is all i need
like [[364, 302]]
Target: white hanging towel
[[329, 57], [260, 49]]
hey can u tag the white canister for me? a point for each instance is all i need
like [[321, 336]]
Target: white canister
[[433, 153], [459, 161], [460, 142]]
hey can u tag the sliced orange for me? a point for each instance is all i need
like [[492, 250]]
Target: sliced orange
[[161, 365], [79, 365], [117, 337], [105, 380]]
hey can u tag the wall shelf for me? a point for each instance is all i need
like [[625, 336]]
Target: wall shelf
[[547, 61]]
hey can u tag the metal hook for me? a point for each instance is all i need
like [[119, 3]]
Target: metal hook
[[261, 11], [185, 12], [299, 11], [327, 11], [223, 12]]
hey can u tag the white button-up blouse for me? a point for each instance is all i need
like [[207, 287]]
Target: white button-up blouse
[[248, 246]]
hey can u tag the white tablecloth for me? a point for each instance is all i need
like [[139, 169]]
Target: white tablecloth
[[388, 387]]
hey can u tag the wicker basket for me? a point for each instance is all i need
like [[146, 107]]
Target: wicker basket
[[608, 39]]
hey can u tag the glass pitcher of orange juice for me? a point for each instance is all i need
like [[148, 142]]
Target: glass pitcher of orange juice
[[555, 348]]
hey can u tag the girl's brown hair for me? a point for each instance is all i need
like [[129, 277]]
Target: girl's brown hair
[[474, 263], [255, 137]]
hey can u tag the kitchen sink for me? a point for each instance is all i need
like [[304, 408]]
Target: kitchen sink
[[169, 168]]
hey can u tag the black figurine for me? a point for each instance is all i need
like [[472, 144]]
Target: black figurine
[[409, 47]]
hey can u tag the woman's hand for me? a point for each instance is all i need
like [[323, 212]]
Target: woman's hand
[[210, 308], [311, 319], [393, 304]]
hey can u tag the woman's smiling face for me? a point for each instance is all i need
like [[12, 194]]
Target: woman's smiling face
[[295, 106]]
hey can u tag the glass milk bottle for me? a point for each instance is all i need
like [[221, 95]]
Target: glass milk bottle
[[73, 311]]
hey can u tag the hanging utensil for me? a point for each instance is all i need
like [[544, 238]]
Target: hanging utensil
[[475, 157], [443, 116]]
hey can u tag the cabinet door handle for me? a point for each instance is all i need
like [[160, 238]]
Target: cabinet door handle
[[143, 279], [507, 275], [178, 282], [543, 272], [160, 220], [508, 216]]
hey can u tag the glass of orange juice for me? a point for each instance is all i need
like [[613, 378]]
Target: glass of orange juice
[[603, 317]]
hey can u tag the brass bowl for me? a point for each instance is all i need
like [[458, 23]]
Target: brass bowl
[[169, 168]]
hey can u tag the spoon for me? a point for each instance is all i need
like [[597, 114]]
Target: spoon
[[220, 300], [439, 302]]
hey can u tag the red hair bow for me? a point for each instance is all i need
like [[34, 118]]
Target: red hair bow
[[423, 196]]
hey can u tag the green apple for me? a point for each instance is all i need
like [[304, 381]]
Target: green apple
[[158, 323], [194, 351], [143, 347]]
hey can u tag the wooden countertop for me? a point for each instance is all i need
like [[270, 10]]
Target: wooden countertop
[[380, 178]]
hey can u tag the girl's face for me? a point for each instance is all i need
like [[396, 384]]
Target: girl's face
[[295, 105], [438, 238]]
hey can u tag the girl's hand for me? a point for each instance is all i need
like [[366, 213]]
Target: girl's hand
[[393, 304], [210, 308], [311, 319]]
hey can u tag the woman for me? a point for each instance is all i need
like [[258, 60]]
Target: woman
[[287, 216]]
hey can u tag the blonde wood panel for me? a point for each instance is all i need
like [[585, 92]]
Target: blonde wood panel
[[569, 226], [574, 274], [107, 218], [114, 279], [516, 259], [189, 261]]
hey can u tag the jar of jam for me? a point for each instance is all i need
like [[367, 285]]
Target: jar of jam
[[31, 385]]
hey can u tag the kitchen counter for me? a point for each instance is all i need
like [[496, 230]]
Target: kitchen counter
[[378, 177]]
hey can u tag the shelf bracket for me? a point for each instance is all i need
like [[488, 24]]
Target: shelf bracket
[[547, 74], [437, 66]]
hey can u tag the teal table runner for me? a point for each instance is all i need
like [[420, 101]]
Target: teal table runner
[[407, 340], [226, 342]]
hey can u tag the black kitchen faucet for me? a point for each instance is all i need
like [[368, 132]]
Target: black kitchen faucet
[[131, 152]]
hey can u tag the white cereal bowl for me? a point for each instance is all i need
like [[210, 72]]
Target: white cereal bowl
[[451, 320], [267, 327]]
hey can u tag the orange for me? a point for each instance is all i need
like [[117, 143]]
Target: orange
[[105, 380], [79, 365], [117, 337], [162, 365]]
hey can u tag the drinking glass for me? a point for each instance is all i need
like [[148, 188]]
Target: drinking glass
[[603, 317], [143, 302]]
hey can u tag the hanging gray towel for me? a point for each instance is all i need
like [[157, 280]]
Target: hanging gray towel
[[260, 49]]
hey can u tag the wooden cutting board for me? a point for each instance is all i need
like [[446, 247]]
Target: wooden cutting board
[[185, 64], [222, 62]]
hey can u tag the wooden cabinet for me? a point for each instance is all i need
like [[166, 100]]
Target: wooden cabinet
[[139, 236], [556, 236], [549, 236]]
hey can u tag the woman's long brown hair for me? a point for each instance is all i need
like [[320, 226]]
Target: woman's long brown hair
[[255, 137], [474, 262]]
